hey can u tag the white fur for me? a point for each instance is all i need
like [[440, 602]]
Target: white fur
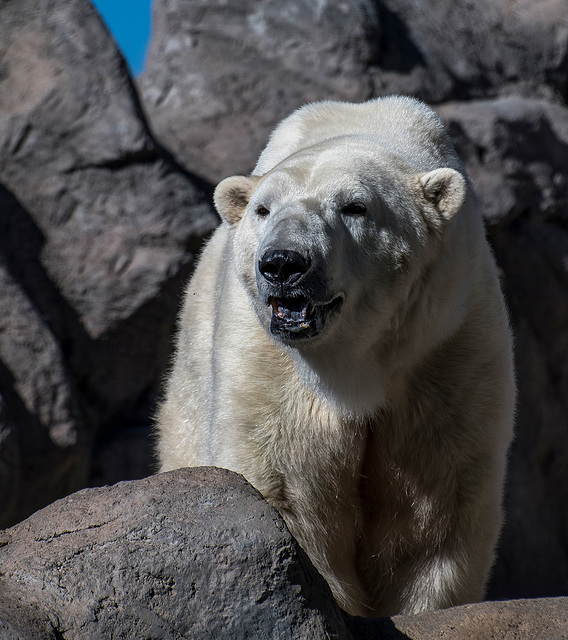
[[382, 441]]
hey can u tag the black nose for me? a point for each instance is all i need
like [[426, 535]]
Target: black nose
[[283, 266]]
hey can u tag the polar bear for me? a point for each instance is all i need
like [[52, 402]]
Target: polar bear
[[345, 346]]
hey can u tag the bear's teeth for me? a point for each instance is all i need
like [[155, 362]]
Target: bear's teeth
[[275, 308], [290, 309]]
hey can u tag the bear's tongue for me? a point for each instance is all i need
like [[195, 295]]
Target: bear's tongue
[[290, 309]]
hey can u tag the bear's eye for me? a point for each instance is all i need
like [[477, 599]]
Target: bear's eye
[[262, 211], [354, 209]]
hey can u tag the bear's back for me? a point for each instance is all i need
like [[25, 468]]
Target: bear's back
[[405, 126]]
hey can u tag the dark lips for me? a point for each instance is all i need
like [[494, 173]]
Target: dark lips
[[299, 318]]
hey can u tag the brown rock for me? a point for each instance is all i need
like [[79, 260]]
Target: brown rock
[[512, 620]]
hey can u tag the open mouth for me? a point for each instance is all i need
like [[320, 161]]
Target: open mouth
[[299, 318]]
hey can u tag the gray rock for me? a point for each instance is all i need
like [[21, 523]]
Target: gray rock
[[516, 151], [195, 553], [442, 50], [533, 560], [220, 75], [100, 229]]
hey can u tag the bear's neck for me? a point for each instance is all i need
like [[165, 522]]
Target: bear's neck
[[352, 384]]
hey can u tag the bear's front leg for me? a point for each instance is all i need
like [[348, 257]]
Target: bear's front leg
[[422, 556]]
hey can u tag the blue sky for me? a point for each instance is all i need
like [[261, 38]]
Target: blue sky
[[129, 22]]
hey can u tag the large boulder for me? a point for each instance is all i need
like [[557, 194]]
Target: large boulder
[[195, 553], [443, 50], [100, 229], [516, 151], [198, 553], [220, 75]]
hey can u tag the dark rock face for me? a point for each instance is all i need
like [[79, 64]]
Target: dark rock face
[[198, 553], [99, 229], [516, 151], [195, 553]]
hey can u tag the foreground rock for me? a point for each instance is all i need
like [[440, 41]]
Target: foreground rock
[[98, 232], [512, 620], [198, 553], [195, 553]]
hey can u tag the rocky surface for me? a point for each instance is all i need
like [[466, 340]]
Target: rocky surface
[[220, 75], [512, 620], [195, 553], [516, 150], [198, 553], [98, 231]]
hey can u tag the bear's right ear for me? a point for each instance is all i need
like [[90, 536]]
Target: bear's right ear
[[443, 192], [232, 196]]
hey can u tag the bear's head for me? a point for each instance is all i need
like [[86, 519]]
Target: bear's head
[[334, 237]]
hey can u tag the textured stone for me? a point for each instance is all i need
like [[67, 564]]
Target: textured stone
[[220, 75], [516, 151], [195, 553], [44, 430], [445, 50], [514, 620], [99, 230]]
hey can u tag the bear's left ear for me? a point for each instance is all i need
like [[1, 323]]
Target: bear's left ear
[[443, 193], [232, 196]]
